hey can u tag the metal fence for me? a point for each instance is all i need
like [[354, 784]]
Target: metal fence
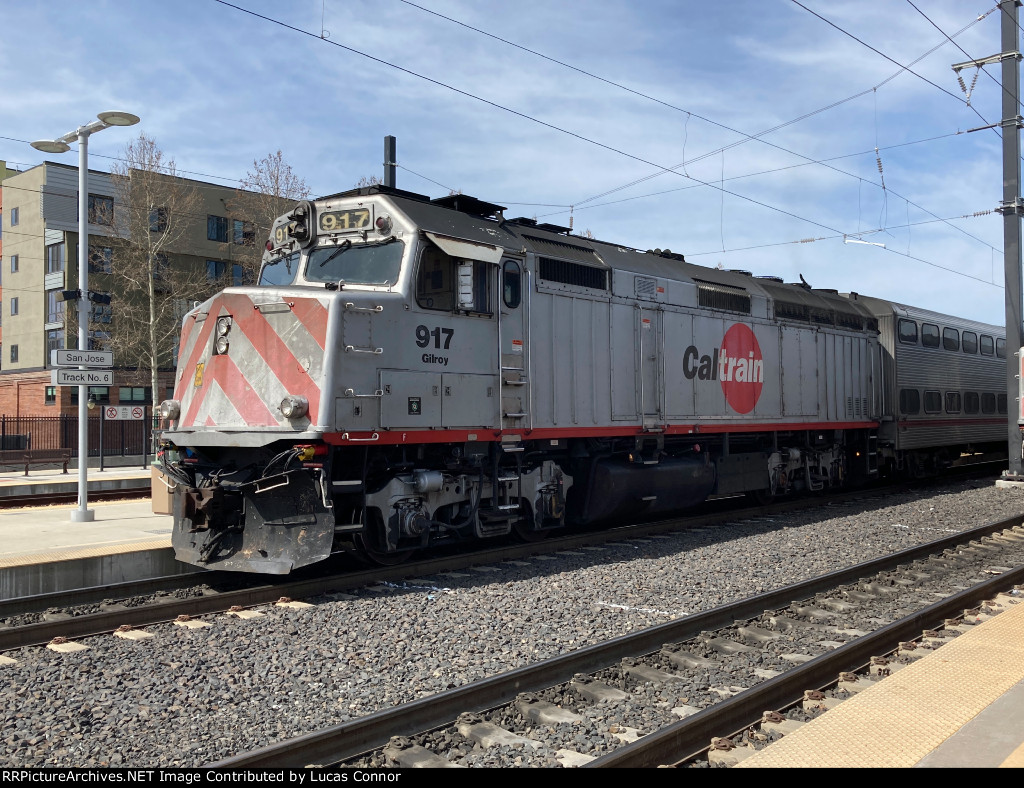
[[120, 438]]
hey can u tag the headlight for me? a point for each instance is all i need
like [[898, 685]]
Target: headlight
[[170, 409], [221, 345], [223, 325], [294, 407]]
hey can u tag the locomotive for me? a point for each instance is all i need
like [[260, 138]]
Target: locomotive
[[410, 371]]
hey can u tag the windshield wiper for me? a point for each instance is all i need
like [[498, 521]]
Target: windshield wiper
[[344, 245]]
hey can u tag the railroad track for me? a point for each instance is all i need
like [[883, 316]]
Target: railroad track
[[795, 650], [64, 498], [85, 612]]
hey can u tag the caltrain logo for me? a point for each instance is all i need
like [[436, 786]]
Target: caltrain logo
[[737, 365]]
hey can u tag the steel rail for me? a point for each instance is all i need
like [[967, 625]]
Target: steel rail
[[688, 738], [355, 737], [268, 593]]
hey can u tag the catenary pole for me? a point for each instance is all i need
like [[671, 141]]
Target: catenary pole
[[1011, 210]]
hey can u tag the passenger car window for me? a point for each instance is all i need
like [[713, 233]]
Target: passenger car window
[[950, 339], [929, 335], [933, 402], [969, 340], [1000, 348], [952, 402], [988, 402], [1001, 403], [971, 402], [987, 345], [908, 331], [910, 401]]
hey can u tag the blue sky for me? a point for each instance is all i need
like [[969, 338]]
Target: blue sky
[[218, 87]]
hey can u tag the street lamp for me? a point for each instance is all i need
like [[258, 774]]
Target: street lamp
[[60, 145]]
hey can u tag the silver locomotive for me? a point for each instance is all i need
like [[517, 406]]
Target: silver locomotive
[[410, 371]]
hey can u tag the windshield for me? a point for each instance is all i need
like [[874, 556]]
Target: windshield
[[364, 263], [280, 272]]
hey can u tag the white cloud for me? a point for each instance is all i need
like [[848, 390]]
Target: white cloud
[[218, 88]]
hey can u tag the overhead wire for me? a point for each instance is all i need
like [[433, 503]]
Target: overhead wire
[[582, 204]]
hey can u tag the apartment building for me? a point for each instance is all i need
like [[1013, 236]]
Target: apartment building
[[40, 261]]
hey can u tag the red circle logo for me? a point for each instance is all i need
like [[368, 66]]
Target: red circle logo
[[741, 368]]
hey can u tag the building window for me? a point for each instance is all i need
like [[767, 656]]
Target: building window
[[243, 233], [54, 258], [158, 220], [101, 210], [101, 259], [98, 394], [14, 306], [133, 394], [14, 217], [14, 353], [99, 340], [14, 263], [215, 269], [217, 228], [161, 269], [51, 395], [54, 306], [100, 313], [54, 341]]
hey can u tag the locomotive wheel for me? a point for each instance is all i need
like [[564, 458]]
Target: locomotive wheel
[[370, 549], [760, 497], [373, 555], [523, 527]]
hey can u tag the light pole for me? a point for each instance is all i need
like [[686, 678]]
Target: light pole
[[60, 145]]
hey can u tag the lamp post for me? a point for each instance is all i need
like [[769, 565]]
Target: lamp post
[[60, 145]]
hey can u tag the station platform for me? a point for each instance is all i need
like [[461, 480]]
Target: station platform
[[42, 550], [960, 706]]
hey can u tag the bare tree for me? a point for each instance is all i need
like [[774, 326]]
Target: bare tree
[[268, 190], [368, 180], [150, 279]]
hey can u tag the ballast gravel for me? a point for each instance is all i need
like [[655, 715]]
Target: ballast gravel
[[187, 698]]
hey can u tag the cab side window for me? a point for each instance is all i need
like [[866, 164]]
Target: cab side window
[[511, 284], [451, 284], [434, 280]]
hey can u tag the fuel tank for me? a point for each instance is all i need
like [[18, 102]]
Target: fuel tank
[[618, 488]]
